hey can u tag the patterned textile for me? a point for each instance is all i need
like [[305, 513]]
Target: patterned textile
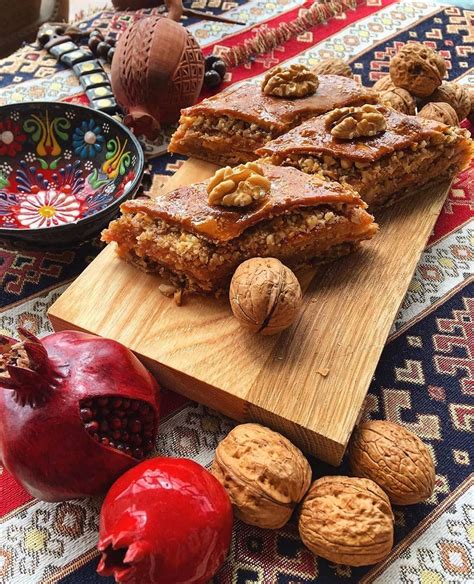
[[425, 378]]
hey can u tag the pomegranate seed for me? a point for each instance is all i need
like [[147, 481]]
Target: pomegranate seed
[[136, 440], [116, 423], [129, 423], [92, 426], [135, 426], [86, 414]]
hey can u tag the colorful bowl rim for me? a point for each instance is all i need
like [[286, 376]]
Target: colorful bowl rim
[[85, 220]]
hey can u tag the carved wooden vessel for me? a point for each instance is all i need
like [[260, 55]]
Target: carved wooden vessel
[[158, 69]]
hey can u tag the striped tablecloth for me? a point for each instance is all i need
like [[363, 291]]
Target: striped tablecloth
[[425, 378]]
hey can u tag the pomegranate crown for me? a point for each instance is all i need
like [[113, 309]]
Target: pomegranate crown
[[26, 369]]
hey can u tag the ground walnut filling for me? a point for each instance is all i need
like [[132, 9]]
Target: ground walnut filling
[[226, 125], [377, 181], [223, 140], [152, 244]]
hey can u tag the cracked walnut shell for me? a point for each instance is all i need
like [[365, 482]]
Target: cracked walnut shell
[[265, 296], [393, 457], [332, 67], [264, 474], [441, 112], [354, 122], [292, 81], [239, 186], [399, 99], [347, 520], [418, 69], [456, 95]]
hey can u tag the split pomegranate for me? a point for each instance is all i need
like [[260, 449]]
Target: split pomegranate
[[76, 412], [166, 521]]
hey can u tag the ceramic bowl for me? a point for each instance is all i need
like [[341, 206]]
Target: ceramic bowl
[[64, 170]]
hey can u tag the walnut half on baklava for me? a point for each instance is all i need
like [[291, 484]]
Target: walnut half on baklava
[[386, 164], [229, 127], [198, 245]]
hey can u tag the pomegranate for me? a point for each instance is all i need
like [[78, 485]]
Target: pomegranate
[[76, 412], [166, 521]]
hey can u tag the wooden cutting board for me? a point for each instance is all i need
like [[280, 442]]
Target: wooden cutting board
[[310, 381]]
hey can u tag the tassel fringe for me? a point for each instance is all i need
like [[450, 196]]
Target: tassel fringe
[[267, 39]]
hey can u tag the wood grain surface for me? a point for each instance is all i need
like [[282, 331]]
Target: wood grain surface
[[308, 382]]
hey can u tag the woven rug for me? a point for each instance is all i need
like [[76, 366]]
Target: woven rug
[[425, 378]]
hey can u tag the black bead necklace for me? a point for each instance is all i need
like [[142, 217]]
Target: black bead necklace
[[215, 71], [58, 40], [103, 47]]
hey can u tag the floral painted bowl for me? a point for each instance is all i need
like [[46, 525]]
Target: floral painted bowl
[[64, 170]]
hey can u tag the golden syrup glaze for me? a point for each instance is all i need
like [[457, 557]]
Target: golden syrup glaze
[[313, 136], [248, 102], [290, 189]]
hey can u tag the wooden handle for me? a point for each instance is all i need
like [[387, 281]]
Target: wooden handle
[[213, 17]]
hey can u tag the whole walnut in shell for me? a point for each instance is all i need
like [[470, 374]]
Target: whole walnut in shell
[[441, 112], [418, 69], [394, 458], [332, 67], [384, 84], [265, 296], [347, 520], [264, 474], [471, 99], [456, 95], [399, 99]]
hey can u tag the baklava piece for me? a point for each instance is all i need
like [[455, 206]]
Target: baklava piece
[[229, 127], [385, 163], [197, 235]]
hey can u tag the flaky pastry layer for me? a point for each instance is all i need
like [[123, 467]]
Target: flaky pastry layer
[[196, 264], [412, 153], [228, 127]]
